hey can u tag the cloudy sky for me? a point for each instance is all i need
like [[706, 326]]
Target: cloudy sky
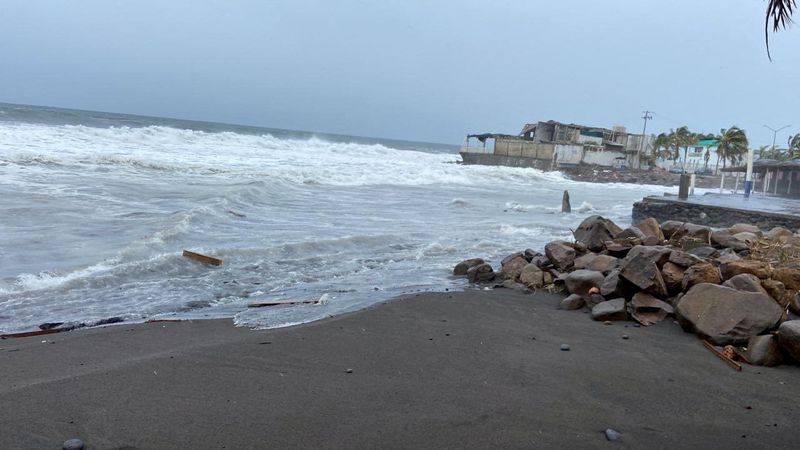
[[420, 70]]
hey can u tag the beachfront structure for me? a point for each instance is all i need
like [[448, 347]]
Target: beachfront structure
[[695, 161], [770, 177], [550, 145]]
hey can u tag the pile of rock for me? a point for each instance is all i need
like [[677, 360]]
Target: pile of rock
[[732, 286]]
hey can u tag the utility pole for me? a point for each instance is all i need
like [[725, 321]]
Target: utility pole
[[646, 117], [748, 178]]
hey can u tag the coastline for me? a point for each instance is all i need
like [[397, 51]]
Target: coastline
[[454, 369]]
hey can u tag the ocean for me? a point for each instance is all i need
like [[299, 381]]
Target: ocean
[[97, 207]]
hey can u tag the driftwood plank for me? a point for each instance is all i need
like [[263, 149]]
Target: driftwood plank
[[721, 356], [283, 302], [30, 333], [202, 258]]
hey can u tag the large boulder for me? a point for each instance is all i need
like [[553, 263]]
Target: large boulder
[[788, 276], [582, 262], [700, 273], [746, 282], [513, 267], [594, 231], [746, 237], [674, 230], [774, 289], [648, 310], [726, 316], [462, 267], [641, 267], [673, 277], [610, 310], [778, 234], [789, 338], [613, 286], [764, 351], [724, 239], [650, 227], [744, 228], [482, 273], [730, 269], [532, 276], [631, 232], [561, 254], [603, 263], [581, 281], [683, 259]]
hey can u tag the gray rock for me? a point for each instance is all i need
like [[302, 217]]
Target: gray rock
[[674, 231], [73, 444], [511, 284], [612, 435], [630, 232], [746, 282], [774, 289], [513, 267], [788, 276], [789, 338], [462, 267], [511, 257], [704, 251], [603, 263], [594, 231], [582, 262], [572, 302], [730, 269], [746, 228], [700, 273], [778, 233], [764, 351], [613, 286], [648, 310], [560, 254], [580, 281], [727, 254], [610, 310], [642, 268], [725, 315], [724, 239], [481, 273], [532, 276], [564, 347], [683, 259], [529, 254], [748, 238], [673, 277], [650, 228]]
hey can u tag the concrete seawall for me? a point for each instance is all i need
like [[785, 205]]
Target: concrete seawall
[[490, 159], [665, 208]]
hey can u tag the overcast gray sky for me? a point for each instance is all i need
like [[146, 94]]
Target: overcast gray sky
[[420, 70]]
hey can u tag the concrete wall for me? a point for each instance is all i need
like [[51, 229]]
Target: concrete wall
[[664, 208], [604, 158], [568, 153], [488, 159]]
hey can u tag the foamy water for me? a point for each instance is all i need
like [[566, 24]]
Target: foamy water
[[94, 220]]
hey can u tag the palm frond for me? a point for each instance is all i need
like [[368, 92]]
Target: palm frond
[[779, 12]]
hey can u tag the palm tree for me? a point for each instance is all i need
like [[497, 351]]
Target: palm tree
[[684, 138], [794, 145], [732, 145], [781, 13]]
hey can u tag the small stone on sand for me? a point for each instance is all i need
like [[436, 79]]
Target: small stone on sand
[[73, 444], [564, 347], [625, 336], [612, 435], [349, 370]]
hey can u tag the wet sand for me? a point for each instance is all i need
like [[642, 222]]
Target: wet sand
[[449, 370]]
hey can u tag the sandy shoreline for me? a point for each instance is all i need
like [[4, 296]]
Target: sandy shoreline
[[472, 369]]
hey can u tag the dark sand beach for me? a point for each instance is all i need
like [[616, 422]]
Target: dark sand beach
[[471, 369]]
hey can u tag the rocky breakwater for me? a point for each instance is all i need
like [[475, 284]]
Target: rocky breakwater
[[735, 287]]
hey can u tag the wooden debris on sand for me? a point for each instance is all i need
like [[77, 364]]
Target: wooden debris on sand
[[202, 258], [283, 302]]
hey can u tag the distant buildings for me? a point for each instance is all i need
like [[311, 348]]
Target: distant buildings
[[551, 144], [695, 158]]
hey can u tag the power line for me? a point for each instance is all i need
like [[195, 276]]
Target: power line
[[646, 117]]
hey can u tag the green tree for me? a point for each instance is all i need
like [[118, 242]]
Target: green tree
[[683, 138], [732, 145], [794, 146]]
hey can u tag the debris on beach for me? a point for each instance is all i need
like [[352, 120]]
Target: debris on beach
[[283, 302], [734, 287], [214, 261]]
